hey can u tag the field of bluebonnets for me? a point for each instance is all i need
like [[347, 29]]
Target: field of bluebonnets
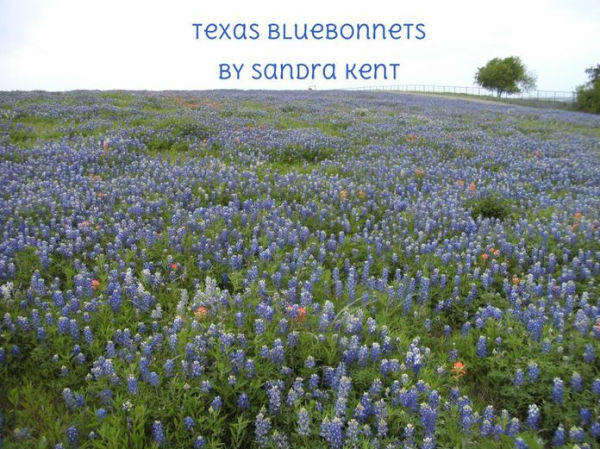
[[287, 270]]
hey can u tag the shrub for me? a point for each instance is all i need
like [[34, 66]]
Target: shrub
[[490, 206], [588, 95]]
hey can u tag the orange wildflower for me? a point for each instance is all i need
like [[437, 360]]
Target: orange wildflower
[[497, 253], [485, 256], [301, 312], [85, 223], [461, 182], [472, 187], [105, 145], [459, 370], [419, 172], [95, 284], [538, 154], [174, 266], [577, 216], [516, 280], [201, 312], [343, 194]]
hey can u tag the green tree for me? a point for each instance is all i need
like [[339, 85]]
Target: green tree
[[508, 75], [588, 95]]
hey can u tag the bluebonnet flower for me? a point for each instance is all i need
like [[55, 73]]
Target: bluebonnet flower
[[303, 422], [428, 418], [576, 434], [249, 366], [585, 415], [533, 417], [206, 386], [546, 346], [532, 371], [520, 443], [280, 440], [558, 391], [352, 432], [274, 395], [589, 354], [69, 398], [486, 428], [595, 430], [216, 404], [73, 436], [482, 346], [243, 401], [559, 438], [576, 382], [596, 386], [189, 423], [158, 433], [331, 430], [293, 339], [513, 427], [262, 427], [467, 417], [259, 326], [309, 362], [409, 433], [278, 352], [519, 378], [88, 335]]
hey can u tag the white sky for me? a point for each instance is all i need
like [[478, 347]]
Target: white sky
[[150, 44]]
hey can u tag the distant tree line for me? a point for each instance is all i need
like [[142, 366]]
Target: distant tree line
[[510, 76]]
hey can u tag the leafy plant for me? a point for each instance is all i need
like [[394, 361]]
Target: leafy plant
[[490, 206]]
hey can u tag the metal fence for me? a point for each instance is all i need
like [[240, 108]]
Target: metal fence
[[541, 95]]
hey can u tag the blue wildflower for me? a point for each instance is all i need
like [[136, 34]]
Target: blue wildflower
[[158, 433]]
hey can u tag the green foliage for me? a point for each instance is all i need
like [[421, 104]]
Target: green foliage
[[588, 95], [490, 206], [508, 75], [293, 154]]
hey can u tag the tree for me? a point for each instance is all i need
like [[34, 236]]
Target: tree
[[507, 75], [588, 95]]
